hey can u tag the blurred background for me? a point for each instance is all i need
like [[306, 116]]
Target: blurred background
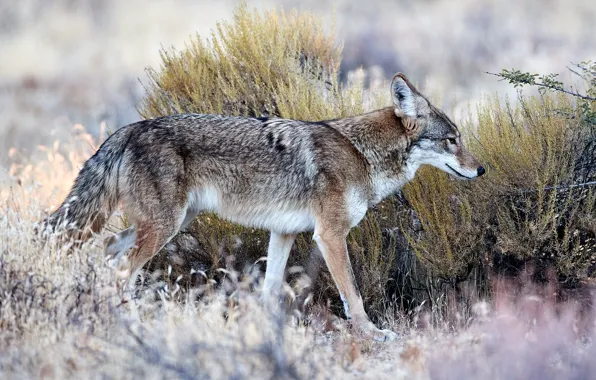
[[67, 62]]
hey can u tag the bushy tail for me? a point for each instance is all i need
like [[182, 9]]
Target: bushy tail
[[93, 196]]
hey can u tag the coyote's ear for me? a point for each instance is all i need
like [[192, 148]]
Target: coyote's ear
[[403, 96]]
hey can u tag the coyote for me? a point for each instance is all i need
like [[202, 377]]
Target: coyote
[[286, 176]]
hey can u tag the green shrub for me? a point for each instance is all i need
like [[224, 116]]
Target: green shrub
[[271, 64]]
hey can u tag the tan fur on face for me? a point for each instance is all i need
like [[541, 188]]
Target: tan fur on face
[[466, 159]]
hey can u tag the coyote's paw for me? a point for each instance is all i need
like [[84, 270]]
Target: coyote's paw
[[370, 331], [384, 335]]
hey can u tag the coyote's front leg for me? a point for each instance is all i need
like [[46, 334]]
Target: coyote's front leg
[[331, 240]]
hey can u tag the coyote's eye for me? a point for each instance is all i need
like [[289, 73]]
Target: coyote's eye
[[452, 141]]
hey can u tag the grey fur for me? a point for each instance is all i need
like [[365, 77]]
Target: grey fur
[[287, 176]]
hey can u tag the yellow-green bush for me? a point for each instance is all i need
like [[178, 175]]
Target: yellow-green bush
[[280, 64]]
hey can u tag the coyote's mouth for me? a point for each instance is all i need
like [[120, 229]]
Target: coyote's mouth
[[458, 173]]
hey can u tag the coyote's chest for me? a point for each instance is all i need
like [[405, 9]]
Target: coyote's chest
[[384, 184]]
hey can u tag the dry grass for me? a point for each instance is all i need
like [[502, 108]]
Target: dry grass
[[61, 317], [67, 300]]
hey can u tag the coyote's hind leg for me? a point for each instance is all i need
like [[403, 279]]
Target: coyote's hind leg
[[151, 235]]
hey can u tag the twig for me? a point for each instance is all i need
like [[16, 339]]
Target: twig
[[562, 187], [556, 88], [585, 184]]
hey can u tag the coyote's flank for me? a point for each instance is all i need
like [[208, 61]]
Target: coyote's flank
[[286, 176]]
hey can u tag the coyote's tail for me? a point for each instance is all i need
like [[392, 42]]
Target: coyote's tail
[[93, 196]]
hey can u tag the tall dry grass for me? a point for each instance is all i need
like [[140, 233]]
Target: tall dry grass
[[61, 314], [61, 317]]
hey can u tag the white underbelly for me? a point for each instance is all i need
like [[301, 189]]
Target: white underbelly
[[288, 221], [281, 218]]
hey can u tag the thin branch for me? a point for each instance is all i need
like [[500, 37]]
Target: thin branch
[[556, 88], [561, 187], [565, 187]]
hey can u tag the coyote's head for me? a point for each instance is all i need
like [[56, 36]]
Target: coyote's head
[[436, 139]]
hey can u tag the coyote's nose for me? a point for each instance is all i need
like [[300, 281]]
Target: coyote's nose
[[481, 171]]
